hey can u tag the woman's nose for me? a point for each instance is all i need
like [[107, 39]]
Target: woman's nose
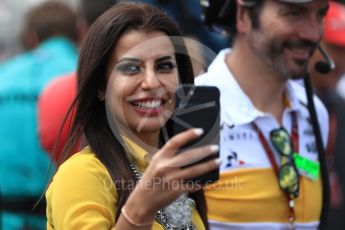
[[150, 80]]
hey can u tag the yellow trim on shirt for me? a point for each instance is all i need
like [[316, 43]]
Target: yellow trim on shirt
[[253, 195]]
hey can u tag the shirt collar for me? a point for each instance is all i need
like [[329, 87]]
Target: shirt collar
[[136, 153], [239, 109], [292, 97]]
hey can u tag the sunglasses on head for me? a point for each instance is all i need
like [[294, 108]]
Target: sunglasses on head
[[288, 177]]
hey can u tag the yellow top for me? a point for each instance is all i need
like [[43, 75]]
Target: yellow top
[[83, 196]]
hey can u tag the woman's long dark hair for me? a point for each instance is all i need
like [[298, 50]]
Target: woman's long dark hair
[[90, 120]]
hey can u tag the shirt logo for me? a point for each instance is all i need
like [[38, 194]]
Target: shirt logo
[[232, 159]]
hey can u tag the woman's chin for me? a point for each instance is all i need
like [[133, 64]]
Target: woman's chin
[[150, 125]]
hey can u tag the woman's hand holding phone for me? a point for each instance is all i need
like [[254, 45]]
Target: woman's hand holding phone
[[165, 180]]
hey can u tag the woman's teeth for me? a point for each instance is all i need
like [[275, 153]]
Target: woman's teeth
[[148, 104]]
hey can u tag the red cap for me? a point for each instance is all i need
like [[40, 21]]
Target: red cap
[[335, 24]]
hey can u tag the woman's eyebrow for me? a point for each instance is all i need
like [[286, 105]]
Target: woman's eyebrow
[[165, 58], [137, 60], [129, 59]]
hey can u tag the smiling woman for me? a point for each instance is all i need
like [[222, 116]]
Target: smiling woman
[[127, 175], [142, 77]]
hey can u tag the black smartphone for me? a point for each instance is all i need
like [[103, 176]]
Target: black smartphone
[[198, 107]]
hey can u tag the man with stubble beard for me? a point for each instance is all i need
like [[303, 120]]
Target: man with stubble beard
[[270, 175]]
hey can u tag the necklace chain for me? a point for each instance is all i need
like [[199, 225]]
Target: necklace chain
[[163, 218]]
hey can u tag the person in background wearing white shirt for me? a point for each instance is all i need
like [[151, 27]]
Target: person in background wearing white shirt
[[265, 125]]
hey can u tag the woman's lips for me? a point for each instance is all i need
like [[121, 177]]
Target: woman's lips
[[148, 106]]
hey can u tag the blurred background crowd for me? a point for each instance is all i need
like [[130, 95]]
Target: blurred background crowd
[[39, 42], [12, 15]]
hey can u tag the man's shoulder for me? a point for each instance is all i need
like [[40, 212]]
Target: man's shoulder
[[18, 63], [216, 71], [203, 79]]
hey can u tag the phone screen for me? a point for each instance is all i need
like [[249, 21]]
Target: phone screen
[[198, 107]]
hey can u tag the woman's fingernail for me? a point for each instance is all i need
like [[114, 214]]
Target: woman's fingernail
[[198, 131], [218, 161], [214, 148]]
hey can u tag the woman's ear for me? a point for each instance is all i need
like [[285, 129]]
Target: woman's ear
[[100, 95]]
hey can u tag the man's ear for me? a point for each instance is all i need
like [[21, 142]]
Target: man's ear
[[242, 18]]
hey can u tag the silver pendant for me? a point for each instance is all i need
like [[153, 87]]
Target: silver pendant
[[162, 216]]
